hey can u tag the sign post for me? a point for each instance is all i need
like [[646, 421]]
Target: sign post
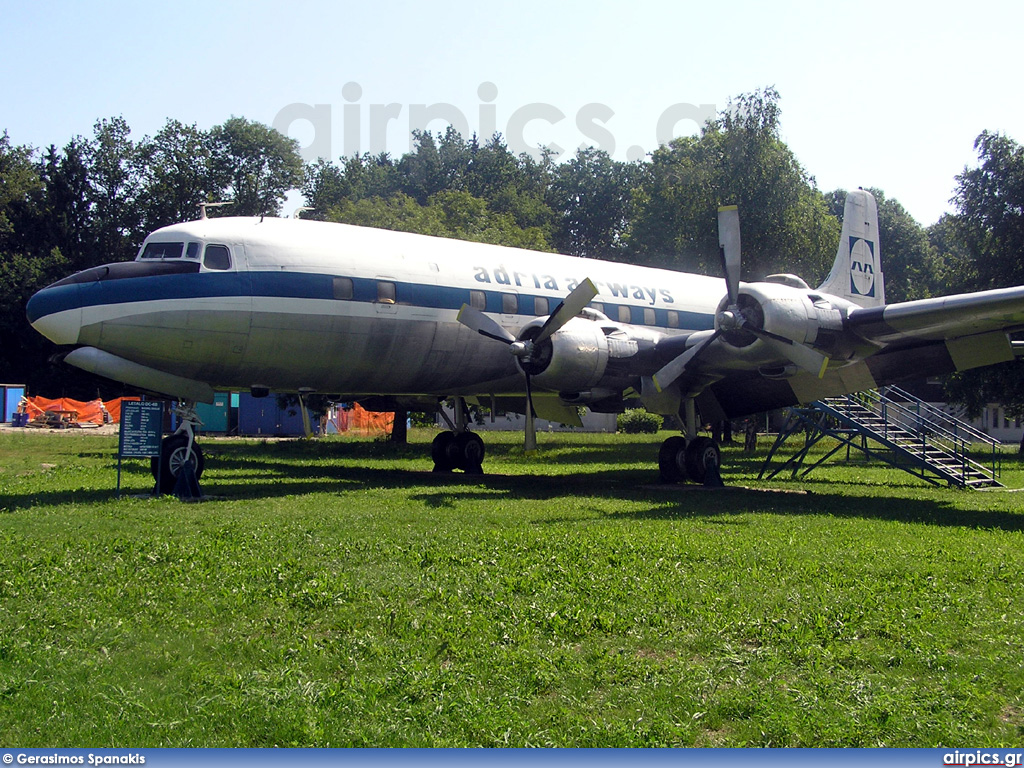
[[142, 427]]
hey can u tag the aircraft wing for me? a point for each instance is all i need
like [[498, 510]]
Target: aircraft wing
[[913, 339], [948, 317]]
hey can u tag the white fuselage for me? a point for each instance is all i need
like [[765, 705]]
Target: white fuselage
[[292, 305]]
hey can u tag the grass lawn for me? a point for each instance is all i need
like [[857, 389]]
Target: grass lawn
[[336, 593]]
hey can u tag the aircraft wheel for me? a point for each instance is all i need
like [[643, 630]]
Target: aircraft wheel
[[443, 452], [672, 460], [174, 453], [470, 449], [702, 456]]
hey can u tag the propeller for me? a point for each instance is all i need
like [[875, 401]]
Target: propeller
[[523, 347], [733, 318]]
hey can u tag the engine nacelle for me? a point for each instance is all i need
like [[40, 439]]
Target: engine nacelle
[[572, 360], [802, 316]]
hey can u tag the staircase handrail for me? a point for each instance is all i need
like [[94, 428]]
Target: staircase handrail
[[926, 431], [959, 425]]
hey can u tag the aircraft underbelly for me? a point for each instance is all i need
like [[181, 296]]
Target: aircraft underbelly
[[204, 344], [230, 344], [365, 353]]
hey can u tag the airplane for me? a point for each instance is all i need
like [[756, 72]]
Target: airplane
[[398, 320]]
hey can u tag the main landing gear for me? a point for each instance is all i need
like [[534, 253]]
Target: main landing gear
[[459, 448], [178, 449], [690, 458], [697, 460]]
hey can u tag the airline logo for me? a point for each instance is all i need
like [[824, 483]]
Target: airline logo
[[862, 267]]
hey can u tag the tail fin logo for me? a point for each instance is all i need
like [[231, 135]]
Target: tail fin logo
[[862, 267]]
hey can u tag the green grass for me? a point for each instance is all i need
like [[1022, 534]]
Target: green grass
[[337, 593]]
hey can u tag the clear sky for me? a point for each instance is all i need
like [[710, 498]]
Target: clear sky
[[881, 94]]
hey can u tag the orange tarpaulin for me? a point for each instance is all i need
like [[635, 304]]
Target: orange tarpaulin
[[91, 411], [363, 422]]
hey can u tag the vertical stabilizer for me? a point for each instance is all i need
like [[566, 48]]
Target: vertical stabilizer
[[857, 272]]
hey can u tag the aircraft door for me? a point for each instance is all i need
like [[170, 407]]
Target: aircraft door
[[220, 318], [510, 308], [386, 302]]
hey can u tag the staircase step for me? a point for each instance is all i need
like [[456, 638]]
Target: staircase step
[[902, 436]]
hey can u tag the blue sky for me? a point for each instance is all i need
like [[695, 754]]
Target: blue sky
[[881, 94]]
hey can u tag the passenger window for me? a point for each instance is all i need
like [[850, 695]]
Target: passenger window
[[649, 318], [343, 288], [162, 250], [673, 319], [192, 251], [597, 306], [624, 314], [540, 306], [478, 300], [509, 303], [217, 257], [385, 292]]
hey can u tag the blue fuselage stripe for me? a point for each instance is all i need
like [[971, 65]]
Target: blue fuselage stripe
[[304, 285]]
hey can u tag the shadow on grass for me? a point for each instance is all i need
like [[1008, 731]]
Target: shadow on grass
[[243, 471]]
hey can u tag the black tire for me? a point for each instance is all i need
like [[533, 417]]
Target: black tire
[[702, 455], [672, 460], [173, 455], [443, 452], [469, 447]]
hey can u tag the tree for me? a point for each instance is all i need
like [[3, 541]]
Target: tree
[[990, 214], [739, 159], [177, 175], [452, 214], [254, 165], [591, 196], [327, 185], [20, 272], [62, 216], [19, 181], [114, 172], [989, 224], [421, 170]]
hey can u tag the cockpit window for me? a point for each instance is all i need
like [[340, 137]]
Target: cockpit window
[[217, 257], [192, 251], [162, 250]]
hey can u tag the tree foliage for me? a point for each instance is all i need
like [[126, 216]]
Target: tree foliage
[[989, 228], [738, 159], [591, 197], [254, 165], [453, 214]]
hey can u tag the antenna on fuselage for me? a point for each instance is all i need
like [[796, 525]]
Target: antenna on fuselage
[[204, 206], [295, 214]]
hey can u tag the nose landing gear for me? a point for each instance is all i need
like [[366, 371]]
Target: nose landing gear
[[178, 449]]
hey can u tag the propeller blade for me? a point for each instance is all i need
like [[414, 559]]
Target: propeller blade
[[809, 359], [675, 367], [475, 320], [530, 435], [571, 306], [729, 249]]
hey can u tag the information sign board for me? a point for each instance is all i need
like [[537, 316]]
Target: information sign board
[[142, 425]]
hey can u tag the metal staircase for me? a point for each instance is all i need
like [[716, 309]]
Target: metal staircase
[[894, 426]]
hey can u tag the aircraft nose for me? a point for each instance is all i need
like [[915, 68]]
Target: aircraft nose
[[56, 312]]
